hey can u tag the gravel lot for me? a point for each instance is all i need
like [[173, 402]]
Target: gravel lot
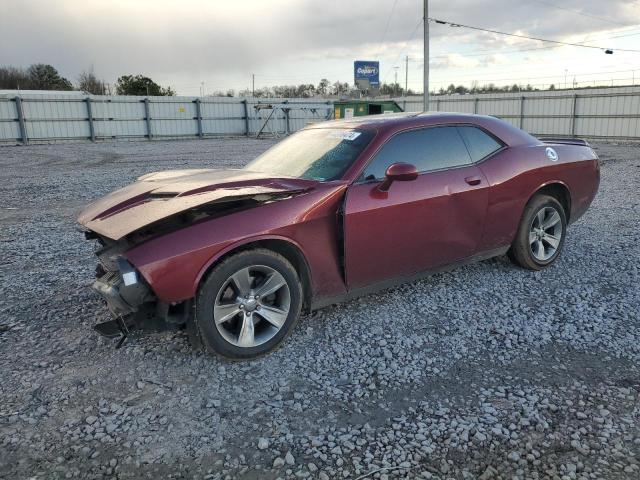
[[485, 372]]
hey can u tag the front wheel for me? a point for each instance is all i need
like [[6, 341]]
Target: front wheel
[[248, 304], [540, 234]]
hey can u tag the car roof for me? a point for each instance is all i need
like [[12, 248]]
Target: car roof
[[393, 122]]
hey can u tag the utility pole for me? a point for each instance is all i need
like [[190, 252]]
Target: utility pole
[[253, 85], [425, 100], [395, 83], [406, 75]]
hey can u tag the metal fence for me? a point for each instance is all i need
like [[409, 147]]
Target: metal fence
[[607, 113], [40, 118], [598, 113]]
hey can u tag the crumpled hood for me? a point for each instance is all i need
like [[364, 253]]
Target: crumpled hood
[[159, 195]]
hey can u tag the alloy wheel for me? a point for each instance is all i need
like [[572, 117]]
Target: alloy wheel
[[545, 233], [252, 306]]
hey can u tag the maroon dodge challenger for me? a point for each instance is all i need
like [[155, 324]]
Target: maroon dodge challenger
[[337, 210]]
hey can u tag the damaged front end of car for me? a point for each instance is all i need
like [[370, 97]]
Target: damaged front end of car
[[154, 207], [128, 296]]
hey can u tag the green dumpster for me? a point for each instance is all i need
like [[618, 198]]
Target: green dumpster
[[358, 108]]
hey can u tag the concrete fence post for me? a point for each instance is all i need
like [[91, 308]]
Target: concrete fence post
[[522, 111], [246, 117], [199, 116], [437, 104], [92, 131], [574, 103], [21, 122], [147, 117]]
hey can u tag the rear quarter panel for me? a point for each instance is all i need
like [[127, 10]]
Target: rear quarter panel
[[515, 174]]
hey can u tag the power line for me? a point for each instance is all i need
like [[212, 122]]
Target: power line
[[486, 53], [577, 12], [575, 74], [386, 28], [538, 39], [480, 53], [400, 54], [625, 35], [631, 81]]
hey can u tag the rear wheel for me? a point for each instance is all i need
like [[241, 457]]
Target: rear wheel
[[248, 304], [541, 233]]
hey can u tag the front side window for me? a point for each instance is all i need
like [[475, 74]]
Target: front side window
[[479, 143], [432, 148], [315, 154]]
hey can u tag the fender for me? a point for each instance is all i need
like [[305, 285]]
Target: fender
[[533, 192], [547, 184], [246, 241]]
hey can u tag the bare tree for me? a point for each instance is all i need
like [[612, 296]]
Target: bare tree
[[13, 78], [88, 82], [323, 86], [340, 88]]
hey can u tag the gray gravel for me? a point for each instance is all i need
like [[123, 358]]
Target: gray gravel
[[485, 372]]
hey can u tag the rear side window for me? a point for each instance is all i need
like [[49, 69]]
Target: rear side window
[[428, 149], [479, 143]]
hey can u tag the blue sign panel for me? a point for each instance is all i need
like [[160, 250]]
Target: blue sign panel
[[365, 70]]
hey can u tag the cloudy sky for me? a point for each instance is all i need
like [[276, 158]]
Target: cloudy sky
[[219, 44]]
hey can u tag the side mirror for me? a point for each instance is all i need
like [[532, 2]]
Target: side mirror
[[400, 172]]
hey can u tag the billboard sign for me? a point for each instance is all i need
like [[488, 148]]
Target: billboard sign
[[364, 70]]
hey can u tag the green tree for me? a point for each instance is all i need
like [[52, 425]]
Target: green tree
[[141, 85], [46, 77]]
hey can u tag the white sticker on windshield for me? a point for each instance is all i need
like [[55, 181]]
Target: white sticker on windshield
[[344, 135]]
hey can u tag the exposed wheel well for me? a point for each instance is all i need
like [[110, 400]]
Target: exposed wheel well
[[287, 250], [560, 193]]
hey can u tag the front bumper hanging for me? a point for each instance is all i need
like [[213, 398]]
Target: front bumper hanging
[[133, 304], [125, 295]]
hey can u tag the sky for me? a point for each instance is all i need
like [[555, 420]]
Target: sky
[[215, 45]]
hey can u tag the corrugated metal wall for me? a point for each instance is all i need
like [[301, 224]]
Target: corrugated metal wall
[[592, 113], [41, 118], [609, 113]]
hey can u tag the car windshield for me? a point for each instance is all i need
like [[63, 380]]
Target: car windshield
[[314, 154]]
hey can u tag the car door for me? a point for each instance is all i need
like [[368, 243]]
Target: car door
[[416, 225]]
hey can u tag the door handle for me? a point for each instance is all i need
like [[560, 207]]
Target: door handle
[[473, 180]]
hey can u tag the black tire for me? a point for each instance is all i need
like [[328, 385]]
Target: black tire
[[210, 291], [523, 252]]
